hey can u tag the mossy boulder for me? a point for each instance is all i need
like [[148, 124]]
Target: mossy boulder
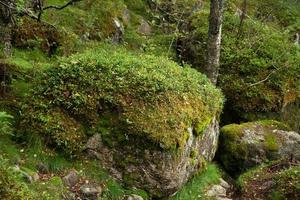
[[140, 105], [277, 180], [246, 145]]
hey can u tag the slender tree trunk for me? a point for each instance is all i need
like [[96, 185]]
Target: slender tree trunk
[[297, 39], [214, 40], [6, 25], [242, 18]]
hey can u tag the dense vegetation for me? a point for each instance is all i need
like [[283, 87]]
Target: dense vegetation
[[132, 92], [123, 68]]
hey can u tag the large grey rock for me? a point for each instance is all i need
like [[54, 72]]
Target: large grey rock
[[247, 145], [140, 163]]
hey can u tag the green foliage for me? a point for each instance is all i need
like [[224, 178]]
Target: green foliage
[[260, 50], [11, 185], [284, 177], [271, 143], [142, 90], [52, 189], [288, 183], [195, 188], [5, 124]]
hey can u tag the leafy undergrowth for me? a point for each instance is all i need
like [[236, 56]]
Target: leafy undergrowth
[[278, 180], [261, 50], [14, 186], [196, 187]]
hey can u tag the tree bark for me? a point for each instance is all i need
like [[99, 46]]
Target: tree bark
[[214, 40], [6, 25], [242, 18]]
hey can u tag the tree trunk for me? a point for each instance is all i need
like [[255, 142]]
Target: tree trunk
[[6, 25], [214, 40], [242, 18]]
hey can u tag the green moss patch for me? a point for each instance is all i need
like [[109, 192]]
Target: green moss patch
[[235, 151], [149, 96]]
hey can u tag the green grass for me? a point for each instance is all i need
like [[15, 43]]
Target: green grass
[[30, 59], [195, 188]]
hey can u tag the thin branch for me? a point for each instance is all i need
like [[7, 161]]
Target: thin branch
[[6, 5], [176, 30], [71, 2], [264, 80]]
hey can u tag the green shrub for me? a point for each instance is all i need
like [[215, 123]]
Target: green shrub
[[137, 94], [262, 50], [11, 185], [284, 179], [5, 124]]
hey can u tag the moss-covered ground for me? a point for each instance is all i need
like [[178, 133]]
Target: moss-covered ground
[[277, 180]]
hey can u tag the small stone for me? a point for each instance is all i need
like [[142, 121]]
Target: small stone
[[90, 191], [35, 177], [94, 143], [71, 179], [133, 197], [224, 184], [144, 28], [126, 16], [216, 191], [222, 198], [42, 168], [69, 196], [267, 184]]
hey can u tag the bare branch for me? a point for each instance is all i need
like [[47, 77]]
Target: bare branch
[[264, 80], [71, 2]]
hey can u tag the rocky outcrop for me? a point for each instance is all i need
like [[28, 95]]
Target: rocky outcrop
[[249, 144], [149, 167]]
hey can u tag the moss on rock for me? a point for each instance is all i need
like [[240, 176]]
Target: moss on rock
[[245, 145], [147, 95]]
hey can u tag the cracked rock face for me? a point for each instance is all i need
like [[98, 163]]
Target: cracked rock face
[[142, 164]]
